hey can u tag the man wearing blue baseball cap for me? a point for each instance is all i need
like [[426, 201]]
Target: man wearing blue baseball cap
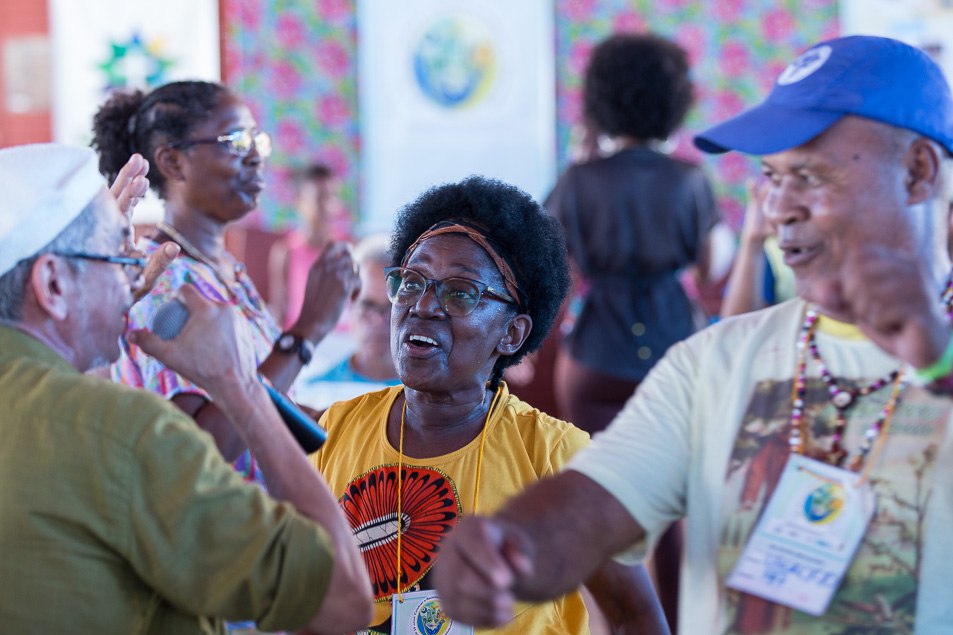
[[809, 445], [117, 514]]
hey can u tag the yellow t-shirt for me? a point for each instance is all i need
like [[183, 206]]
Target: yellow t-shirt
[[522, 446]]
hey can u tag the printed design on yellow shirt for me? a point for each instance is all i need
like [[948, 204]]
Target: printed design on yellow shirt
[[430, 508], [883, 575]]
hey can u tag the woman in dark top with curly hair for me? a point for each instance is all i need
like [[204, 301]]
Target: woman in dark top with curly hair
[[479, 274], [633, 219], [206, 157]]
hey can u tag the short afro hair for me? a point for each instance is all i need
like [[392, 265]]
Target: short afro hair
[[637, 85], [527, 237]]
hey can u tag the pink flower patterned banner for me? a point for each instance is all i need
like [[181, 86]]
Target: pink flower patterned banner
[[294, 61], [737, 48]]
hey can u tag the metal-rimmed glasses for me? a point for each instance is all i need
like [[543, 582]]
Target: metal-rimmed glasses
[[238, 143], [458, 297], [131, 265]]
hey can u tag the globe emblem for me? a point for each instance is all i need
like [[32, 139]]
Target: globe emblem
[[824, 503], [431, 620], [454, 62]]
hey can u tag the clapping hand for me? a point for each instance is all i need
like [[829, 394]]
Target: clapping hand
[[131, 184]]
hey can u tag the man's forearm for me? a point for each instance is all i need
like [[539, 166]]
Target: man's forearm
[[572, 525]]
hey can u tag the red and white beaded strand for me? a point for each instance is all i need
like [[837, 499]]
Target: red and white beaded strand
[[842, 399]]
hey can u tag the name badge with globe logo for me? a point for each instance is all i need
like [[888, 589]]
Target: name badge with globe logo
[[420, 613], [806, 537]]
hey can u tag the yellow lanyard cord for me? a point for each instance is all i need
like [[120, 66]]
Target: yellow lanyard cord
[[400, 469], [400, 466], [486, 424]]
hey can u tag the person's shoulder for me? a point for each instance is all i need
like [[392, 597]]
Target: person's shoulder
[[592, 167], [547, 440], [767, 318], [680, 168], [529, 417], [349, 424], [116, 411], [729, 336], [362, 405]]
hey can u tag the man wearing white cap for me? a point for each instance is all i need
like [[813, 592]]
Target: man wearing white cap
[[808, 446], [116, 513]]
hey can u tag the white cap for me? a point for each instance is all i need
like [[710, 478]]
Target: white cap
[[43, 188]]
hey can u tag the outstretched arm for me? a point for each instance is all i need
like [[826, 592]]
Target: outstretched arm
[[545, 542]]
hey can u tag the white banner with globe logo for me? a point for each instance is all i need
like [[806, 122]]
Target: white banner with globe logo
[[449, 88]]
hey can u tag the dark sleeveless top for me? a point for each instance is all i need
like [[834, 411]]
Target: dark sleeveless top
[[633, 221]]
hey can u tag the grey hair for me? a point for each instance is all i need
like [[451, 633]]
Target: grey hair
[[373, 248], [76, 237]]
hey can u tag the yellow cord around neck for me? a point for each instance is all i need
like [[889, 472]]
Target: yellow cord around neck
[[400, 469]]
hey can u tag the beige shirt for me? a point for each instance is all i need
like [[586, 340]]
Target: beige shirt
[[705, 437]]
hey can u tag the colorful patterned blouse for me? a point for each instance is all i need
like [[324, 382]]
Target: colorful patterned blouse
[[135, 368]]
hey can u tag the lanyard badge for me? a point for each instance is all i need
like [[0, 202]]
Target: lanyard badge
[[806, 537], [420, 613]]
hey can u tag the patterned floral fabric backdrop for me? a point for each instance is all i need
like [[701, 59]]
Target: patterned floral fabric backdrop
[[736, 47], [295, 63]]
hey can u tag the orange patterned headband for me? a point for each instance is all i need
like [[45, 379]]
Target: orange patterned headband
[[450, 227]]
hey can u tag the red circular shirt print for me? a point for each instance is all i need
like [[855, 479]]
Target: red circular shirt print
[[430, 508]]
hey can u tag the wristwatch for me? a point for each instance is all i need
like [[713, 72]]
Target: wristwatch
[[289, 343]]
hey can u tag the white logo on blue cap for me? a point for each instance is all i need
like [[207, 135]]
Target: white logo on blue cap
[[805, 65]]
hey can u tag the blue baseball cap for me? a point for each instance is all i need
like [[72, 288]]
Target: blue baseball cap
[[873, 77]]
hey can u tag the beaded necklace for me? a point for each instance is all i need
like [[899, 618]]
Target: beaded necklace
[[843, 398], [400, 467], [193, 252]]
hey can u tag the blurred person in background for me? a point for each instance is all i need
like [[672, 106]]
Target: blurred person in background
[[321, 220], [759, 277], [634, 219], [370, 366]]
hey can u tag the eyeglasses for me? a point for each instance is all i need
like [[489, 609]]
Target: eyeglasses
[[238, 143], [458, 297], [131, 265]]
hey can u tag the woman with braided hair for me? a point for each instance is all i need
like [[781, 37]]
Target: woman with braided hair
[[206, 160]]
